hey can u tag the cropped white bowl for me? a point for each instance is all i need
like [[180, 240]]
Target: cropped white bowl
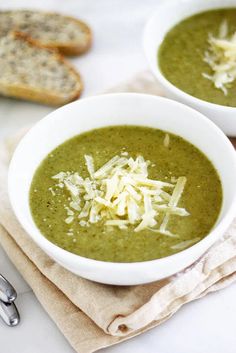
[[167, 15], [120, 109]]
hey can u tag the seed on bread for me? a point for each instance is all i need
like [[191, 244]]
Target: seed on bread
[[67, 34], [32, 72]]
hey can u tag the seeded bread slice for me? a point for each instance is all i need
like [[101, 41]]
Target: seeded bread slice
[[67, 34], [32, 72]]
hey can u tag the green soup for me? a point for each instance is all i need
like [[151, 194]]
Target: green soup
[[181, 54], [202, 195]]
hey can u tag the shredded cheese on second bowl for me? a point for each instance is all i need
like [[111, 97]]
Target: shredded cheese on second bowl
[[221, 57]]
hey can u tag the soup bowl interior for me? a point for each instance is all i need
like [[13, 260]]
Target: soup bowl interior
[[166, 16], [121, 109]]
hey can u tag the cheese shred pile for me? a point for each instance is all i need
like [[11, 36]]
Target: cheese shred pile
[[221, 57], [120, 194]]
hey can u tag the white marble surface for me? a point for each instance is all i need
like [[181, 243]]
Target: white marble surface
[[207, 325]]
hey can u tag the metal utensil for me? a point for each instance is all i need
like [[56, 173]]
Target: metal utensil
[[9, 313], [7, 292]]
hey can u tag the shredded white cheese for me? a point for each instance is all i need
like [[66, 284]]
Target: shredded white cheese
[[90, 165], [166, 141], [120, 194], [179, 188], [221, 57], [185, 244], [69, 219]]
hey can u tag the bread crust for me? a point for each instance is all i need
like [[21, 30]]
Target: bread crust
[[68, 48], [35, 94], [72, 48]]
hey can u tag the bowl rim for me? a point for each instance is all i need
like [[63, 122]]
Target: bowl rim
[[156, 68], [39, 238]]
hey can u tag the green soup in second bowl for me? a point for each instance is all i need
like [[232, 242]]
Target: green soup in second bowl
[[183, 55]]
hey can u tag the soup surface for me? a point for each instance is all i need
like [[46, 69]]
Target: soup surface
[[181, 55], [169, 158]]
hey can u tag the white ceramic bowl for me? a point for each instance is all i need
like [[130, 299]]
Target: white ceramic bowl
[[168, 14], [120, 109]]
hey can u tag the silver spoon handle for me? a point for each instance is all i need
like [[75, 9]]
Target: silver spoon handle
[[9, 313], [7, 292]]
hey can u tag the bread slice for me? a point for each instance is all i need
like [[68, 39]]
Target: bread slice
[[67, 34], [31, 72]]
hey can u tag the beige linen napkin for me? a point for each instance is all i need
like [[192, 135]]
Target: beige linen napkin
[[91, 315]]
